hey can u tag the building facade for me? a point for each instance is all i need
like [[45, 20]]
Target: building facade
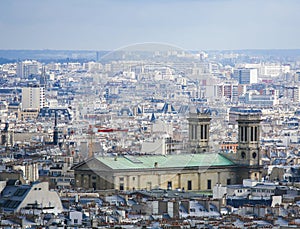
[[245, 75], [33, 98], [27, 68]]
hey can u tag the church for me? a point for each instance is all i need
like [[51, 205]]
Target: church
[[197, 170]]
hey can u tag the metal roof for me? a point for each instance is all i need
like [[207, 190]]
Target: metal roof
[[166, 161]]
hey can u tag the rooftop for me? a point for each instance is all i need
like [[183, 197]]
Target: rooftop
[[166, 161]]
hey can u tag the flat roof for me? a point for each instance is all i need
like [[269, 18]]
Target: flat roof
[[166, 161]]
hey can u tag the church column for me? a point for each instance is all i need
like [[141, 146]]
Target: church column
[[98, 184], [86, 181], [82, 180], [256, 133], [179, 180], [115, 182], [127, 182], [199, 181], [76, 179], [90, 181], [105, 182], [159, 180], [139, 182], [241, 134]]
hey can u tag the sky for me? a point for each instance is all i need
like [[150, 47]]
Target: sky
[[112, 24]]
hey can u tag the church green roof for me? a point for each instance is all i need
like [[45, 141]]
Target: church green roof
[[167, 161]]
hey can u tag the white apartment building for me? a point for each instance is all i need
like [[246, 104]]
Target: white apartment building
[[30, 171], [271, 69], [292, 93], [92, 66], [27, 68], [33, 98], [229, 90], [274, 70], [254, 98]]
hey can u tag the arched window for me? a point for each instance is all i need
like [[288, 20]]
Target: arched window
[[243, 154]]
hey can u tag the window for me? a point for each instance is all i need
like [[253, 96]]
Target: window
[[75, 221], [243, 154], [254, 155], [208, 184], [189, 185], [169, 184], [20, 192], [133, 178], [121, 178], [228, 181]]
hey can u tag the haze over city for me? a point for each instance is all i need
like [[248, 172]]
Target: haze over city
[[149, 114], [190, 24]]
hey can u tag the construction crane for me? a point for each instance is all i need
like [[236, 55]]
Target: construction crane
[[100, 129]]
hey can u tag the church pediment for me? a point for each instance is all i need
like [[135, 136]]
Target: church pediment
[[92, 164]]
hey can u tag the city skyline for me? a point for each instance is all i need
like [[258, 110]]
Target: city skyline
[[109, 25]]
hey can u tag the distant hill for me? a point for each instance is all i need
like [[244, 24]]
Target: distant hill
[[7, 56], [50, 55], [262, 52]]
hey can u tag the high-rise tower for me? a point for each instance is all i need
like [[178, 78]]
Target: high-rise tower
[[199, 132]]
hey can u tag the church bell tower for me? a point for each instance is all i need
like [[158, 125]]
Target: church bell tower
[[199, 132], [248, 152]]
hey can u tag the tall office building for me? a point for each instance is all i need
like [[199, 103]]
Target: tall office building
[[33, 98], [245, 75]]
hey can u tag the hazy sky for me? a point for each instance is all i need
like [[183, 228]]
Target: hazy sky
[[111, 24]]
